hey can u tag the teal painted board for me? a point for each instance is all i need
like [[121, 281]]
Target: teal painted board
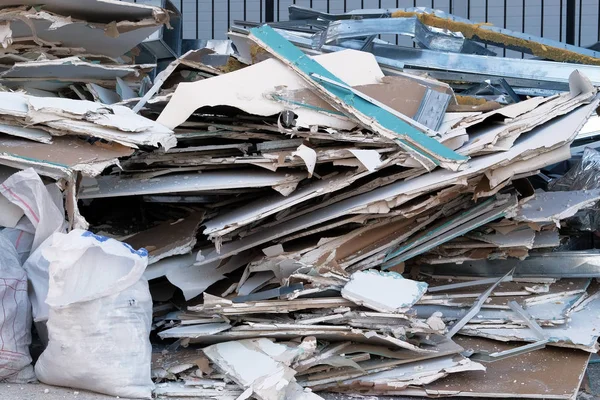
[[380, 118]]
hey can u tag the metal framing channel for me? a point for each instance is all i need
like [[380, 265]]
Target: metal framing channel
[[570, 264]]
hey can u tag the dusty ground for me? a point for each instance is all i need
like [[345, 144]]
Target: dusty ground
[[38, 392]]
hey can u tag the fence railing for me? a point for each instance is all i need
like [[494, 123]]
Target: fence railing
[[571, 21]]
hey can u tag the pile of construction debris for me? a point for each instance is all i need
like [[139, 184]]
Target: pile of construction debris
[[323, 211]]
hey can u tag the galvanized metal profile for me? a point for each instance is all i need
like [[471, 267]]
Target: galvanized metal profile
[[519, 73], [432, 109], [458, 325], [478, 34], [477, 30], [433, 102], [528, 319], [473, 218], [499, 67], [502, 355], [340, 31], [517, 351], [560, 264], [370, 115], [462, 285]]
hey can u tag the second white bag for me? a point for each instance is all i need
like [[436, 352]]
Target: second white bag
[[100, 313]]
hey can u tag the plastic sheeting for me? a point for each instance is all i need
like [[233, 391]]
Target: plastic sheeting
[[583, 176]]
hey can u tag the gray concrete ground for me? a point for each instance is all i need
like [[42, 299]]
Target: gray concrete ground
[[45, 392], [38, 392]]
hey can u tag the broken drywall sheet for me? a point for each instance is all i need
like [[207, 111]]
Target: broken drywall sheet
[[501, 175], [555, 206], [383, 291], [245, 214], [69, 69], [164, 266], [545, 239], [410, 96], [308, 155], [254, 282], [79, 28], [537, 380], [541, 140], [413, 374], [111, 186], [169, 238], [155, 137], [66, 153], [103, 95], [194, 280], [111, 116], [370, 159], [581, 331], [260, 365], [411, 136], [37, 135], [251, 85], [66, 117]]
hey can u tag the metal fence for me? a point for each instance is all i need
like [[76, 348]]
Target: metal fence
[[571, 21]]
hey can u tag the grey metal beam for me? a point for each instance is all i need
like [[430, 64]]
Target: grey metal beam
[[303, 13], [560, 264], [537, 74], [339, 31]]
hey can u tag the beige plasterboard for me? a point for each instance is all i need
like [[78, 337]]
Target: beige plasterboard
[[65, 152], [168, 238], [70, 69], [34, 134], [260, 366], [18, 105], [542, 139], [551, 373], [249, 87]]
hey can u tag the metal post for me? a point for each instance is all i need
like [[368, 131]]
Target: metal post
[[269, 10], [571, 10]]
